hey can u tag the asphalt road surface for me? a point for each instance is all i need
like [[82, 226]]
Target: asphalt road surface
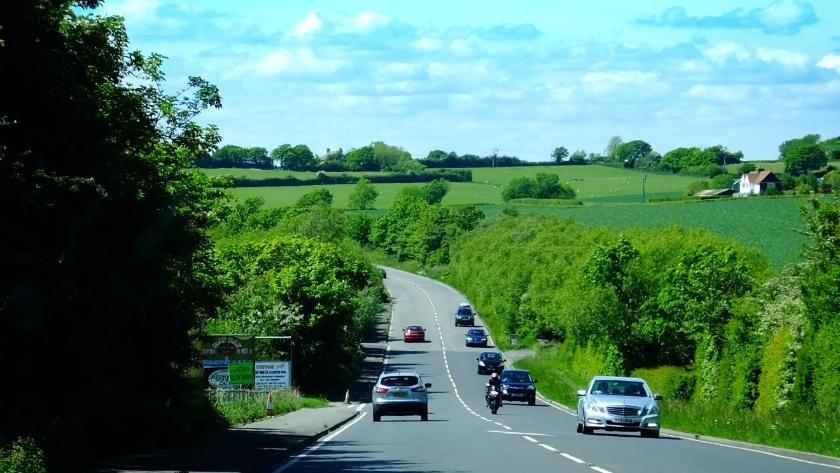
[[463, 436]]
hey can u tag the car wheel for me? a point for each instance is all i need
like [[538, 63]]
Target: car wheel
[[584, 429], [532, 401], [424, 416], [579, 428], [377, 417]]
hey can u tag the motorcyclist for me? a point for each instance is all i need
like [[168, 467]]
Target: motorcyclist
[[496, 382]]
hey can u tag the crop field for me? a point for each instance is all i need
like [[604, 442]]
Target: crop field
[[612, 198], [772, 225], [591, 183]]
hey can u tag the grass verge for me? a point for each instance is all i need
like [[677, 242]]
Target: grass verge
[[239, 407]]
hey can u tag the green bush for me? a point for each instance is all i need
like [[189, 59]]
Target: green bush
[[673, 382], [774, 359], [22, 456]]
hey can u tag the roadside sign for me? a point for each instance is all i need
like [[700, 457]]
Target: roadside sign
[[273, 374], [219, 353], [241, 373]]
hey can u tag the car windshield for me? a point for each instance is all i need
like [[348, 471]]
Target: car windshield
[[476, 333], [464, 311], [414, 328], [491, 356], [395, 381], [516, 376], [619, 388]]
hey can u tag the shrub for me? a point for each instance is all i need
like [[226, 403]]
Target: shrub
[[22, 456]]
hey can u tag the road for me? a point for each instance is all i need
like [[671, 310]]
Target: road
[[463, 436]]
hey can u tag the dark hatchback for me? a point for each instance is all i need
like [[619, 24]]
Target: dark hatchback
[[518, 385], [490, 361], [475, 337]]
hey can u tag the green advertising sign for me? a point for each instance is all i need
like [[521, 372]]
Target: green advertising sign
[[241, 373]]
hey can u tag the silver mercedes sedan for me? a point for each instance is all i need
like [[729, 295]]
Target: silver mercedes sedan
[[618, 403]]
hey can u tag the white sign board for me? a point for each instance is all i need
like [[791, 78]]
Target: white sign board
[[272, 374]]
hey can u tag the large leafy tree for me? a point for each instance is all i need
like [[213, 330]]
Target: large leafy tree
[[804, 158], [629, 152], [293, 158], [363, 196], [104, 263]]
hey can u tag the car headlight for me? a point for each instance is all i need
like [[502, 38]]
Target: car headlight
[[480, 363], [654, 410], [530, 387]]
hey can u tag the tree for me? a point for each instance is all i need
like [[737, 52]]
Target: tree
[[629, 152], [559, 154], [518, 188], [745, 168], [433, 192], [788, 145], [578, 157], [293, 158], [437, 155], [362, 159], [391, 158], [363, 195], [319, 197], [106, 249], [804, 158], [612, 145], [546, 186]]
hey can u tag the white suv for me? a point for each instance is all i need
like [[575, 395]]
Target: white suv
[[400, 393]]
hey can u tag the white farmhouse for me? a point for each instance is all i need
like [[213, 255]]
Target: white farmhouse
[[756, 182]]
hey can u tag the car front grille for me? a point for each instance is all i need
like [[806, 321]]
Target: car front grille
[[626, 411]]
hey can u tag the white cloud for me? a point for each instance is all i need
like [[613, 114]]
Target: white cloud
[[310, 24], [724, 51], [720, 93], [783, 13], [604, 82], [299, 61], [368, 20], [460, 47], [427, 44], [133, 10], [830, 61], [782, 56]]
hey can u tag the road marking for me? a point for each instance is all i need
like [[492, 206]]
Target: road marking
[[548, 447], [532, 434], [572, 458], [530, 439], [359, 409], [311, 449], [747, 449], [497, 423], [507, 427], [599, 469]]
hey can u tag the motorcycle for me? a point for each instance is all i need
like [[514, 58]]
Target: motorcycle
[[493, 398]]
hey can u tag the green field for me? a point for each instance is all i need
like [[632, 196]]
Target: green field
[[772, 225], [612, 198], [591, 183]]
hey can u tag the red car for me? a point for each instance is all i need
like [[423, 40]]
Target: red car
[[414, 333]]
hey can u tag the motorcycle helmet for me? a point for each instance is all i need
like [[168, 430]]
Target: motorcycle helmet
[[494, 375]]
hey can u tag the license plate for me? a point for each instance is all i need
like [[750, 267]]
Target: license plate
[[623, 420], [516, 394], [400, 394]]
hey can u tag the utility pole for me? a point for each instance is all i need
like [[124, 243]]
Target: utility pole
[[495, 153], [644, 178]]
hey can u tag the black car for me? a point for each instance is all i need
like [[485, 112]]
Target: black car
[[518, 385], [490, 361], [475, 337], [465, 315]]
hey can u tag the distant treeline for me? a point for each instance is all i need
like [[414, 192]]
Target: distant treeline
[[442, 159], [452, 175]]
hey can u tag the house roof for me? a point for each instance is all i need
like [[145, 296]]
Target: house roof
[[706, 193], [761, 175]]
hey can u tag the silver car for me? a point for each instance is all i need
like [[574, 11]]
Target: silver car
[[618, 403], [400, 393]]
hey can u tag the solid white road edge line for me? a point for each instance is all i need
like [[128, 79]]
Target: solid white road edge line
[[599, 469], [530, 439], [747, 449], [317, 445]]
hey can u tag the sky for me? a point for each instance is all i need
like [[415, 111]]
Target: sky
[[515, 77]]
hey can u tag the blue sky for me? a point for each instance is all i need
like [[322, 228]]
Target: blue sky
[[522, 77]]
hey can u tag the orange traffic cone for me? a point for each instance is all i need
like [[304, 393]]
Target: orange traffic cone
[[269, 407]]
